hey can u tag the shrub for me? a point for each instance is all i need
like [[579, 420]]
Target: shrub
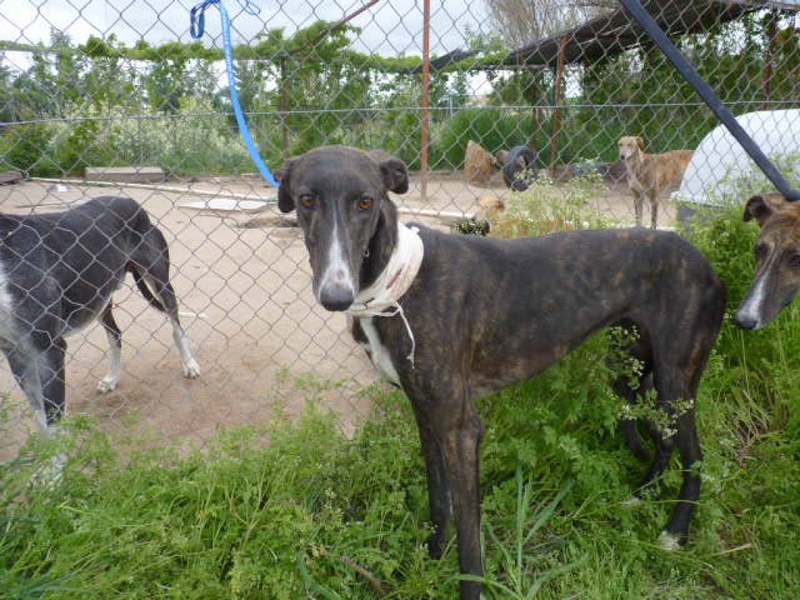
[[545, 207], [24, 147]]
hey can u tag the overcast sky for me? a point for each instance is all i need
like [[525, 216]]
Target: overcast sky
[[389, 28]]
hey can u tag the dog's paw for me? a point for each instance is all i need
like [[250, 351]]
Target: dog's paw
[[669, 541], [107, 384], [191, 369]]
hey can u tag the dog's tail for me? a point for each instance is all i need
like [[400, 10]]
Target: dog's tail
[[145, 290]]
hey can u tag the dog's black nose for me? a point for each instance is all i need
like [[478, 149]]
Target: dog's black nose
[[336, 298], [745, 321]]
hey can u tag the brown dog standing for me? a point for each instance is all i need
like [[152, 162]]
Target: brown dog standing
[[650, 174]]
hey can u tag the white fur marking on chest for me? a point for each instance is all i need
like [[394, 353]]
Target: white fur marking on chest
[[6, 310], [378, 353]]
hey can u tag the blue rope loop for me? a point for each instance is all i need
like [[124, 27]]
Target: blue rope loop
[[197, 29]]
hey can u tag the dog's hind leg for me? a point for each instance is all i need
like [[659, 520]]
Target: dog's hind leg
[[190, 367], [150, 267], [156, 288], [688, 443], [630, 362], [630, 425], [110, 381]]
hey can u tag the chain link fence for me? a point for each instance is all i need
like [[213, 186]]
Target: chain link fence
[[106, 98]]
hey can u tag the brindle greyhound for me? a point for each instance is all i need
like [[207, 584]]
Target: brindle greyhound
[[777, 277], [450, 318]]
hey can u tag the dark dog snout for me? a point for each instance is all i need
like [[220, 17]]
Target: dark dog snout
[[745, 321], [336, 300], [337, 295]]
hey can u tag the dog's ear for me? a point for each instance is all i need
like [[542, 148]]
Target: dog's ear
[[640, 142], [395, 174], [760, 208], [285, 201]]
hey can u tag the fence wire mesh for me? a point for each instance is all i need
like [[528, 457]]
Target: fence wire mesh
[[108, 98]]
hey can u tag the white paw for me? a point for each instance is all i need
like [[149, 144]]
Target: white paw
[[191, 369], [107, 384], [669, 541]]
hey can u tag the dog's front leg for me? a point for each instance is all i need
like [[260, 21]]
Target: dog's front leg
[[638, 207], [438, 485], [51, 372], [451, 434], [462, 448], [25, 367], [653, 195]]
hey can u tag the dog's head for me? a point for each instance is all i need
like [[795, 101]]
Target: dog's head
[[777, 277], [341, 198], [630, 145]]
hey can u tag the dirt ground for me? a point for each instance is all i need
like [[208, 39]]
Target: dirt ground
[[242, 278]]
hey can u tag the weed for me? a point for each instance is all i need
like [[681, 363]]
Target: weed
[[545, 208]]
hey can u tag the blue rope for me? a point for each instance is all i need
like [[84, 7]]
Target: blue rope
[[197, 28]]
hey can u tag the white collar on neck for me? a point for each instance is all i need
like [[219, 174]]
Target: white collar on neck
[[381, 299]]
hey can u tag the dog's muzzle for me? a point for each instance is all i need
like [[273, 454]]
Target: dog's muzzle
[[337, 294]]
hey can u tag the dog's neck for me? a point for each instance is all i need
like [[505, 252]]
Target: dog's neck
[[398, 253], [395, 275], [635, 160]]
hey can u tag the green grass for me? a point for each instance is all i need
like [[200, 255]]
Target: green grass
[[299, 511]]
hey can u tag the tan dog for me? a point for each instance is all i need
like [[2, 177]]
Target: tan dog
[[650, 174]]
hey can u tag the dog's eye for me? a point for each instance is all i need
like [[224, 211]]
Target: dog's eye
[[308, 201], [761, 251], [365, 203], [794, 262]]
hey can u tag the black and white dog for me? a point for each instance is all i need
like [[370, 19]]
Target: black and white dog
[[450, 318], [57, 274]]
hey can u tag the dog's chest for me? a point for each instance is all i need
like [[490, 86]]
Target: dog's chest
[[377, 352]]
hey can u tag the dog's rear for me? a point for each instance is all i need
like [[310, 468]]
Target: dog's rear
[[651, 174], [59, 272]]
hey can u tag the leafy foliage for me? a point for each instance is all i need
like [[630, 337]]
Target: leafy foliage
[[313, 88]]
